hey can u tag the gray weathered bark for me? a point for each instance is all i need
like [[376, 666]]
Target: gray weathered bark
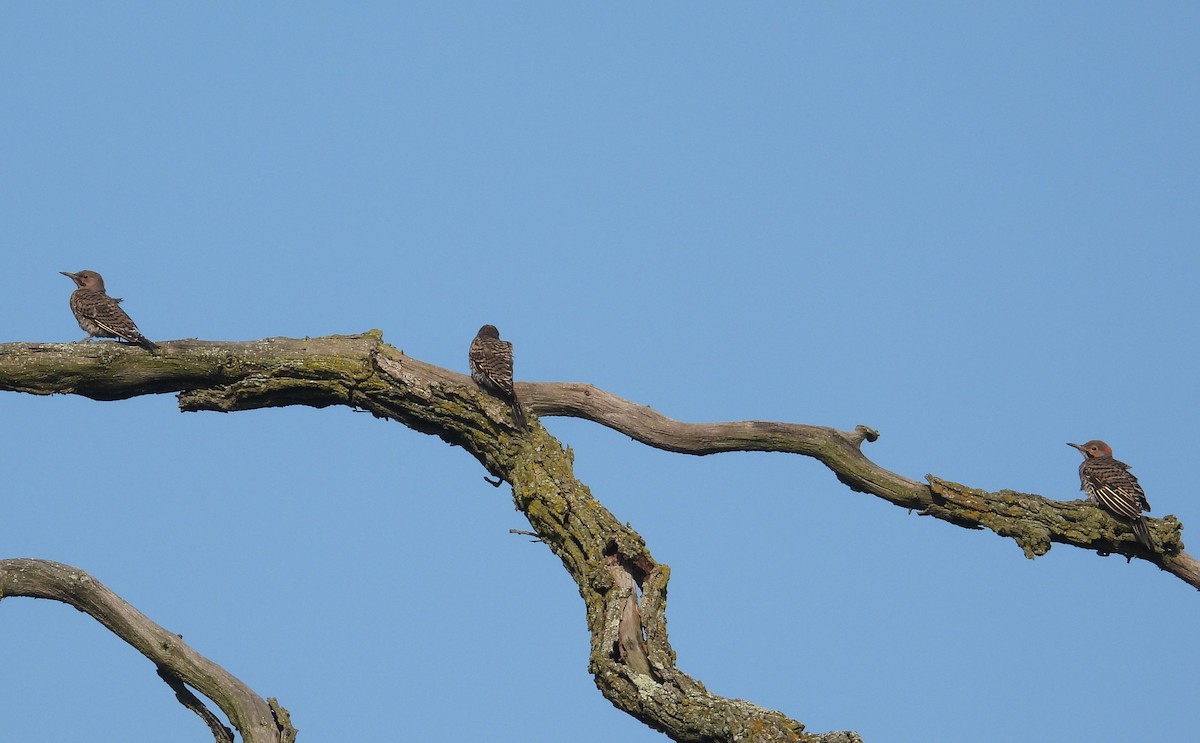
[[257, 720], [623, 587]]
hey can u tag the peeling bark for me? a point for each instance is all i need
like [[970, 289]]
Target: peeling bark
[[624, 589]]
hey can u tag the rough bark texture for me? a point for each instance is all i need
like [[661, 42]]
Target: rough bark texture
[[177, 663], [624, 589]]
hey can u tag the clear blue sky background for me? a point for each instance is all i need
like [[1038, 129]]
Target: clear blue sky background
[[972, 227]]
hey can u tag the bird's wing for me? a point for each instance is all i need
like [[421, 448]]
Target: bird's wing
[[113, 320], [1123, 498], [1134, 486]]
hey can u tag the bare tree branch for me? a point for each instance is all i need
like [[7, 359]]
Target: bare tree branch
[[631, 658], [177, 663], [221, 734], [1031, 520], [334, 369]]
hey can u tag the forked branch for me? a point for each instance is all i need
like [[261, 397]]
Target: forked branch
[[177, 663], [631, 659]]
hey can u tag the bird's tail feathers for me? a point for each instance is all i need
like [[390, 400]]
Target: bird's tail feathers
[[519, 414], [1143, 533]]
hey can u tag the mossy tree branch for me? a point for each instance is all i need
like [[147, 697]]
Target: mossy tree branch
[[623, 587]]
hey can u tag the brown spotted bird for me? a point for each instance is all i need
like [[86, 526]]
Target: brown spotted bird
[[492, 369], [101, 315], [1110, 485]]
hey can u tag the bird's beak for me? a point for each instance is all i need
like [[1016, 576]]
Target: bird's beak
[[1077, 446], [68, 274]]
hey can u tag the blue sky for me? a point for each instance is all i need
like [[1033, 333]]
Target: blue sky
[[970, 227]]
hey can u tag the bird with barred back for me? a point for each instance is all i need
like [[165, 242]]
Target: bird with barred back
[[1110, 485], [100, 315], [492, 369]]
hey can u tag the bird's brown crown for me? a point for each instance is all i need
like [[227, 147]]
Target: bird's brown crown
[[86, 279], [1094, 449]]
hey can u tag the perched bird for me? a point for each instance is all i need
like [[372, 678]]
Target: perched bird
[[1110, 485], [99, 314], [492, 369]]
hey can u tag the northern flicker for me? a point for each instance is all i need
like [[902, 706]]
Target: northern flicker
[[1110, 485], [492, 369], [99, 314]]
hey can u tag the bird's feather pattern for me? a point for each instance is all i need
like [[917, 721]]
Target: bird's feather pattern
[[101, 315], [491, 361]]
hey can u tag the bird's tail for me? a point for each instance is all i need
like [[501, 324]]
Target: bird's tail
[[519, 414], [1142, 533], [147, 344]]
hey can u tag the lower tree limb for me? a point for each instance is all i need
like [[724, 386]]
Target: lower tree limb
[[177, 663]]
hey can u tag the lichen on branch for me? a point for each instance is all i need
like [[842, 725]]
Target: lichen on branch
[[623, 587]]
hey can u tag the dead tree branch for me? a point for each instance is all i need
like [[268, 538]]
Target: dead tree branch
[[634, 666], [177, 663]]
